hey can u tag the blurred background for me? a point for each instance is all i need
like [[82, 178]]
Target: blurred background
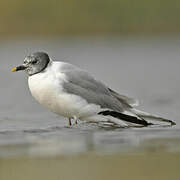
[[90, 17], [132, 46]]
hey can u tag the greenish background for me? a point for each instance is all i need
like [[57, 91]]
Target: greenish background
[[89, 17]]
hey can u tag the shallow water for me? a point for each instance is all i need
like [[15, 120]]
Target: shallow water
[[144, 68]]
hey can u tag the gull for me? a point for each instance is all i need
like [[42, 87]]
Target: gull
[[75, 94]]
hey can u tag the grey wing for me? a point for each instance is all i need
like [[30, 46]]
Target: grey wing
[[93, 91], [127, 100]]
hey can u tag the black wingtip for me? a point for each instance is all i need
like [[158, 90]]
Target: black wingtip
[[127, 118], [173, 123]]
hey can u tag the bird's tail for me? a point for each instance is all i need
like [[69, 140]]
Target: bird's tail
[[151, 118]]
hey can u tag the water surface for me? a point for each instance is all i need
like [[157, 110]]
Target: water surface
[[147, 69]]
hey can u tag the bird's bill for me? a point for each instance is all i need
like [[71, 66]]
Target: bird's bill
[[19, 68]]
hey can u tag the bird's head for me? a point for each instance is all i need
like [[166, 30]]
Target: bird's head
[[34, 63]]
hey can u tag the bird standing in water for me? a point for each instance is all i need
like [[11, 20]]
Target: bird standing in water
[[73, 93]]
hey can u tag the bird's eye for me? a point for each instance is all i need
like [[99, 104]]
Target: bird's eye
[[34, 62]]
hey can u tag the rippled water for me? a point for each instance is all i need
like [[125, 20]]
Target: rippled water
[[147, 69]]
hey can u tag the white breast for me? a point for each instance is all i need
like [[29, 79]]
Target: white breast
[[47, 89]]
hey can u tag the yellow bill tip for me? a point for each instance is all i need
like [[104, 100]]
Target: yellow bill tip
[[14, 69]]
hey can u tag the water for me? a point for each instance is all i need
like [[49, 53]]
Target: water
[[144, 68]]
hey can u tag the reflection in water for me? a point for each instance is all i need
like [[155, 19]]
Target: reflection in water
[[85, 138]]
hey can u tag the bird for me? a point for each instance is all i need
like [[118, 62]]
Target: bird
[[69, 91]]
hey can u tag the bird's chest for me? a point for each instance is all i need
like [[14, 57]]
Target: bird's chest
[[48, 92]]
